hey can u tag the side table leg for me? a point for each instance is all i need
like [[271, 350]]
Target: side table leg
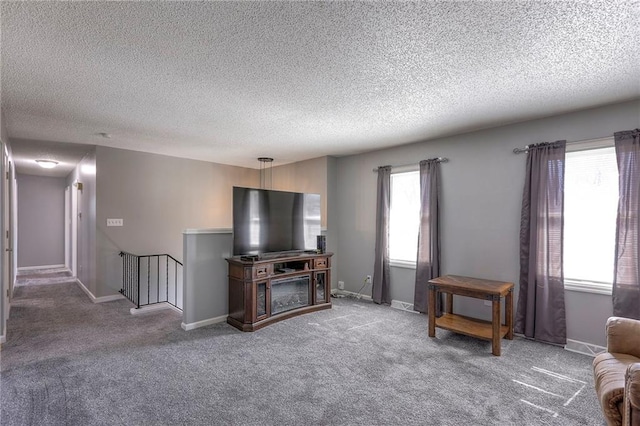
[[449, 309], [508, 313], [432, 311], [495, 323]]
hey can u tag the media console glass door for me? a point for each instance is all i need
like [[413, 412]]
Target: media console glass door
[[261, 301], [320, 288], [290, 293]]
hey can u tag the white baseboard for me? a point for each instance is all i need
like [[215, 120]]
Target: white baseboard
[[355, 295], [403, 306], [152, 308], [101, 299], [204, 323], [584, 348], [35, 268], [110, 298], [3, 339]]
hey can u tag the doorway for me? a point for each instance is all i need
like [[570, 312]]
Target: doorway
[[71, 229], [7, 226]]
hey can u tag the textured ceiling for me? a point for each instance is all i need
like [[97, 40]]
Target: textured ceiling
[[232, 81], [68, 155]]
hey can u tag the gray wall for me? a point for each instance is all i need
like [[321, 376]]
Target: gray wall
[[4, 136], [332, 217], [41, 225], [481, 200], [206, 287], [158, 197], [85, 173], [308, 176]]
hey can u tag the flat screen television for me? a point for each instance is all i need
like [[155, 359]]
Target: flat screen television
[[267, 221]]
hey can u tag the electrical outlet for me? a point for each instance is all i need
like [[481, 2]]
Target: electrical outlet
[[368, 279], [340, 285], [115, 222]]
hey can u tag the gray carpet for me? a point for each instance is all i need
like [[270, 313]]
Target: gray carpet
[[70, 362], [43, 277]]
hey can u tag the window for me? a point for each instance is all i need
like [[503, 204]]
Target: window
[[404, 218], [590, 208]]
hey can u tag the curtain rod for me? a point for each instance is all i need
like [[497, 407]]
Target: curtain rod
[[590, 141], [439, 160]]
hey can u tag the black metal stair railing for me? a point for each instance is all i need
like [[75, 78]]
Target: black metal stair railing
[[151, 279]]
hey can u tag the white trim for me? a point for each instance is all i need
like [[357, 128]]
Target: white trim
[[588, 287], [406, 264], [403, 306], [111, 298], [203, 323], [74, 228], [208, 231], [101, 299], [35, 268], [195, 231], [67, 227], [155, 307], [584, 348], [407, 168], [590, 144], [354, 295], [3, 339]]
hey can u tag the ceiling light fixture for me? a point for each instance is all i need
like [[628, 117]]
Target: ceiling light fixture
[[47, 164], [266, 164]]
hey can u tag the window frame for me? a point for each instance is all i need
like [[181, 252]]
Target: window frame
[[397, 263], [589, 286]]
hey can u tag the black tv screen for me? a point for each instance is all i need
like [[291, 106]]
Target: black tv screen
[[267, 221]]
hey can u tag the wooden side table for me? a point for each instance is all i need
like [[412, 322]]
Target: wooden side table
[[479, 289]]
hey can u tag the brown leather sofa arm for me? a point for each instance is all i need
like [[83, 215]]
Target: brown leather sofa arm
[[623, 336], [632, 395]]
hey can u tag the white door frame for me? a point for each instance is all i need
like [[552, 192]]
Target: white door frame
[[67, 227], [74, 231], [11, 238], [7, 257]]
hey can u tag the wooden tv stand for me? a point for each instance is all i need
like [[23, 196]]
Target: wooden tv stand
[[274, 288]]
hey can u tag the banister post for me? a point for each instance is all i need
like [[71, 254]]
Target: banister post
[[138, 279]]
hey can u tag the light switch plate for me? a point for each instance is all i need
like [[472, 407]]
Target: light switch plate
[[115, 222]]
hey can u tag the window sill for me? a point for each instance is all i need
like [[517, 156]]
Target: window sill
[[588, 287], [402, 264]]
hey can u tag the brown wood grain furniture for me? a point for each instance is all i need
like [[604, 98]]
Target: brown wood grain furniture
[[479, 289], [275, 288]]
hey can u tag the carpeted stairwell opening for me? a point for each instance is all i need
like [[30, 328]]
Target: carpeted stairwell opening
[[43, 276]]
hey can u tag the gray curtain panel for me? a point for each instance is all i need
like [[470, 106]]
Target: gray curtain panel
[[428, 261], [626, 277], [541, 312], [380, 291]]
